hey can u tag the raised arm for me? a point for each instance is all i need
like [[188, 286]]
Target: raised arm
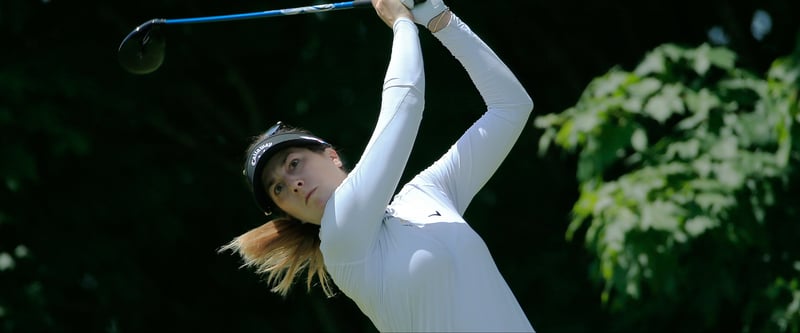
[[477, 154], [353, 215]]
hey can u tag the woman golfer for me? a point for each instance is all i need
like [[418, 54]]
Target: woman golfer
[[408, 260]]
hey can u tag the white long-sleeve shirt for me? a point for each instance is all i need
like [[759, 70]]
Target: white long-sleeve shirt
[[413, 264]]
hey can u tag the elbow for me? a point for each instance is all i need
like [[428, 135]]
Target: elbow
[[524, 103], [415, 100], [528, 104], [516, 107], [520, 101]]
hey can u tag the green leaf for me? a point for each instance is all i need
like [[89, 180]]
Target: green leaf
[[639, 139], [701, 60], [727, 147], [549, 120], [722, 58], [582, 210], [662, 106], [608, 84], [697, 225], [714, 203], [745, 86], [604, 149], [653, 63], [566, 137], [672, 52], [786, 69], [21, 251], [702, 166], [699, 105], [587, 120], [639, 185], [6, 262], [545, 140], [706, 56], [661, 215], [645, 87], [729, 175], [687, 150], [624, 220], [588, 166]]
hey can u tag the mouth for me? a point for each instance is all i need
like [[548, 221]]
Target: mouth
[[308, 196]]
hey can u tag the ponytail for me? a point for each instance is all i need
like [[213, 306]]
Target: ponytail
[[281, 249]]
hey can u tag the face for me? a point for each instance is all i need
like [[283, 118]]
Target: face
[[301, 181]]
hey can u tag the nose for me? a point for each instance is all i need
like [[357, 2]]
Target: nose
[[297, 185]]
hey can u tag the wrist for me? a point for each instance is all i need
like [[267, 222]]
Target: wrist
[[440, 21], [401, 19]]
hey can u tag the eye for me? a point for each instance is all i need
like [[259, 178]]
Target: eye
[[293, 164], [277, 189]]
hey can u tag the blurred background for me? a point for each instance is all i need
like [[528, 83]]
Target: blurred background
[[118, 189]]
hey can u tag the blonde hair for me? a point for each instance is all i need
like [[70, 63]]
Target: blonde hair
[[281, 249]]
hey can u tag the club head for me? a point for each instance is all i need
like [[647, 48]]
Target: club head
[[142, 51]]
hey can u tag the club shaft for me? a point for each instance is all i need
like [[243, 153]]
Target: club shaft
[[269, 13]]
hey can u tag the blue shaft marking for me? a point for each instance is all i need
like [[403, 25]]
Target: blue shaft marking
[[268, 13]]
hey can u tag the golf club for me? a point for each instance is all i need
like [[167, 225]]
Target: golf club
[[142, 50]]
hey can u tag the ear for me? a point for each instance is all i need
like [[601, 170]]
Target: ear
[[334, 156]]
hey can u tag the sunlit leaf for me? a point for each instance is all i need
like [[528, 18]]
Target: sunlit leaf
[[701, 60], [633, 105], [639, 139], [6, 262], [545, 140], [21, 251], [653, 63], [702, 166], [756, 129], [662, 106], [632, 289], [609, 83], [687, 150], [746, 85], [661, 215], [722, 58], [786, 69], [672, 52], [714, 203], [639, 185], [725, 148], [729, 175], [644, 88], [700, 104], [706, 56], [547, 121], [697, 225], [586, 121], [566, 137], [679, 236]]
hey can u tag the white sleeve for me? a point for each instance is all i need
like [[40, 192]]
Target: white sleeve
[[477, 154], [354, 213]]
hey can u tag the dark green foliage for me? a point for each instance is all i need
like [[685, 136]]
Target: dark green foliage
[[688, 174]]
